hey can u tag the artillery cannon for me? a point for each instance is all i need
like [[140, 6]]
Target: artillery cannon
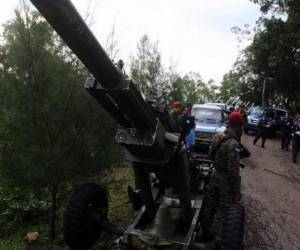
[[159, 160]]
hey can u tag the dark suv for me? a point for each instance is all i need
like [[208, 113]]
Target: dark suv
[[254, 117]]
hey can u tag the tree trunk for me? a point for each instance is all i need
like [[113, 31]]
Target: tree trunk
[[53, 213]]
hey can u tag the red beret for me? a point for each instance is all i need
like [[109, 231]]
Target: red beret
[[176, 105], [236, 118]]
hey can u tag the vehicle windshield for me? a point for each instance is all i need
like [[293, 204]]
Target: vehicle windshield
[[207, 115], [220, 105]]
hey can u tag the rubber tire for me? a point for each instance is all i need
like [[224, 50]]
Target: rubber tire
[[233, 228], [75, 234]]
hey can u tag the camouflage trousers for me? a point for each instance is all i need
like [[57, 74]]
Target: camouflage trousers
[[218, 199]]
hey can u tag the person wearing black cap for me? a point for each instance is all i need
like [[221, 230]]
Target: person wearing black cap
[[286, 132], [296, 139], [262, 130]]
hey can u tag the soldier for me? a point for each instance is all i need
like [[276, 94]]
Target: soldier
[[262, 130], [224, 188], [286, 130], [296, 139]]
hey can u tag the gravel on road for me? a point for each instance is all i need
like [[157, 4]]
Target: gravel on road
[[271, 196]]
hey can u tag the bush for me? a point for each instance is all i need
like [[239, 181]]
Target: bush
[[19, 208]]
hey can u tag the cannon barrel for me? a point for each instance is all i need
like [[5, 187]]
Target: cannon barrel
[[141, 132], [64, 18], [119, 96]]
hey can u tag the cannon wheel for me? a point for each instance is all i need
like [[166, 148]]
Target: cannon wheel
[[85, 211], [233, 228]]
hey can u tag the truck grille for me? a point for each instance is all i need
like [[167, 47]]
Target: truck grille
[[205, 135]]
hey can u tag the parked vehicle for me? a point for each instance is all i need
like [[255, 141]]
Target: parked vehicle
[[221, 105], [209, 120], [254, 117], [280, 116]]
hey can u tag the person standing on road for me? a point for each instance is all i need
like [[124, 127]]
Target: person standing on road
[[286, 132], [262, 130], [187, 123], [243, 113], [224, 188], [296, 139]]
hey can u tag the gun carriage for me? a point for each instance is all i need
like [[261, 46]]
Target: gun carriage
[[148, 134]]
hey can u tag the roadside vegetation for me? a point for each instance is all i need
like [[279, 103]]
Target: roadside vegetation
[[272, 59], [20, 215]]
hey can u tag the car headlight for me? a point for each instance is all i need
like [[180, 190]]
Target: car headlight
[[221, 129], [197, 127]]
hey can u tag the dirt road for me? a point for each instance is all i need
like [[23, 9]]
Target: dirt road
[[271, 189]]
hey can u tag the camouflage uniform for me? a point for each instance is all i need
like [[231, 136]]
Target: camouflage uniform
[[225, 181]]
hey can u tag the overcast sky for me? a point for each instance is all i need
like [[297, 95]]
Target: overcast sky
[[194, 34]]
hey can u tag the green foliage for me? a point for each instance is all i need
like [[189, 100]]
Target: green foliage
[[12, 244], [52, 132], [230, 85], [166, 86], [19, 244], [191, 88], [279, 6], [272, 58], [120, 212], [146, 67], [19, 208]]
